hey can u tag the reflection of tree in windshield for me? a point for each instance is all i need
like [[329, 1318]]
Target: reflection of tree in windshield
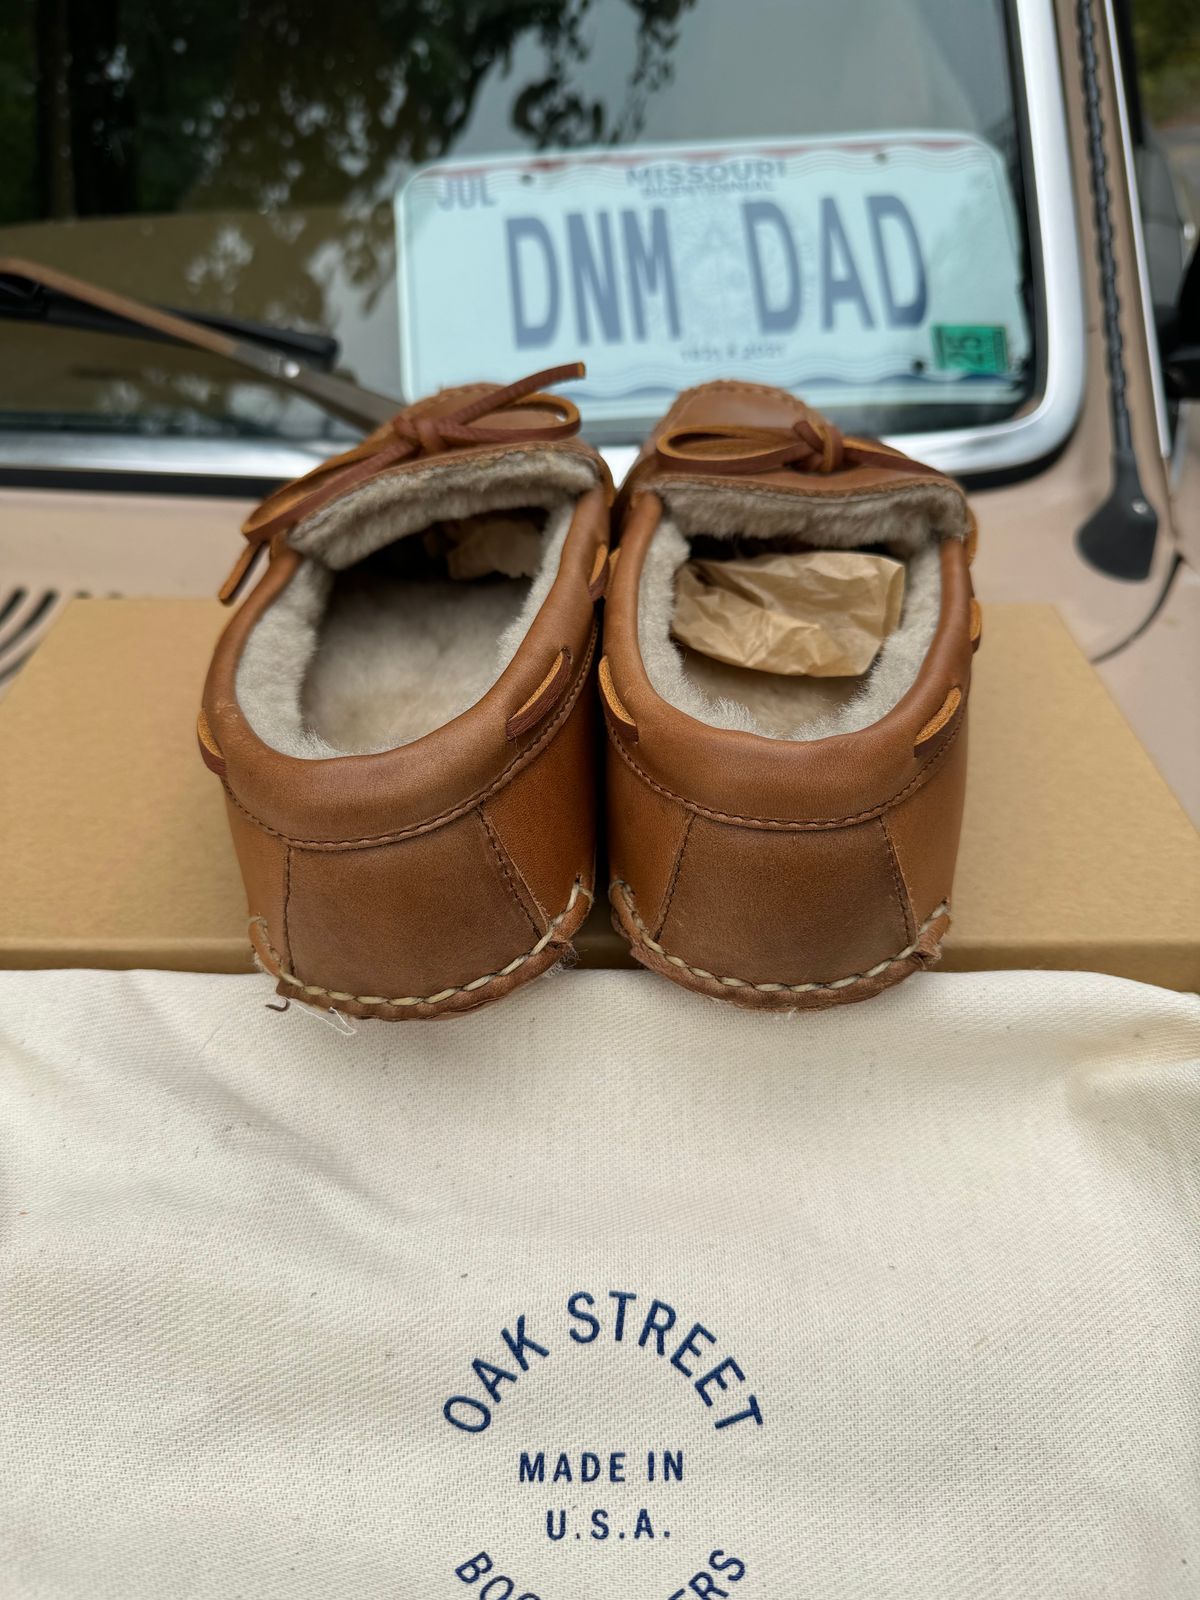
[[292, 103], [328, 104], [553, 112], [241, 155], [304, 113]]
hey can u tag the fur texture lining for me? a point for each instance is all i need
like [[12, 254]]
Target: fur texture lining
[[905, 517], [391, 506], [349, 662], [908, 522]]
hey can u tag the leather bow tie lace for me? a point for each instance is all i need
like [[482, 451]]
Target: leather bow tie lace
[[811, 444], [515, 414]]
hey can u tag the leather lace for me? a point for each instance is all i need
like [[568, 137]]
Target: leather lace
[[533, 418], [811, 444]]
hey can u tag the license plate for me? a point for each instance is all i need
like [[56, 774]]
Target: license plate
[[855, 265]]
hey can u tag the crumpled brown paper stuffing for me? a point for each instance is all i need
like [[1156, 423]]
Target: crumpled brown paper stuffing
[[815, 613], [479, 546]]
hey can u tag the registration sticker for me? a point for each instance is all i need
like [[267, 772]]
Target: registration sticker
[[835, 265], [970, 349]]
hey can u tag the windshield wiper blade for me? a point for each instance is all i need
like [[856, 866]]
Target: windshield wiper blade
[[23, 300], [32, 292]]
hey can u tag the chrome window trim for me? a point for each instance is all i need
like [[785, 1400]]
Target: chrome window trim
[[1157, 387], [60, 452], [1042, 430], [1000, 446]]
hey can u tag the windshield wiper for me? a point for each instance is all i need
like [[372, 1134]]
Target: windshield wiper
[[23, 300], [32, 292]]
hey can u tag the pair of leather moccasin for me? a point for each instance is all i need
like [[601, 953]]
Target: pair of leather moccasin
[[402, 711]]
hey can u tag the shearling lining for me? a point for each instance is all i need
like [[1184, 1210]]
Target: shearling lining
[[345, 662], [908, 522]]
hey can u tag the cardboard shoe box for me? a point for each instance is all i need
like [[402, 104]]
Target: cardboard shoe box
[[114, 850]]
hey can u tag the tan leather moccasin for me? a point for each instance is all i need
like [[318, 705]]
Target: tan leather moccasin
[[402, 711], [784, 842]]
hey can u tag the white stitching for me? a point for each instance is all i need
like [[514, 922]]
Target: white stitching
[[773, 988], [443, 994]]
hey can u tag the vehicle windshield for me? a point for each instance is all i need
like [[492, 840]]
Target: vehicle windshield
[[823, 196]]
